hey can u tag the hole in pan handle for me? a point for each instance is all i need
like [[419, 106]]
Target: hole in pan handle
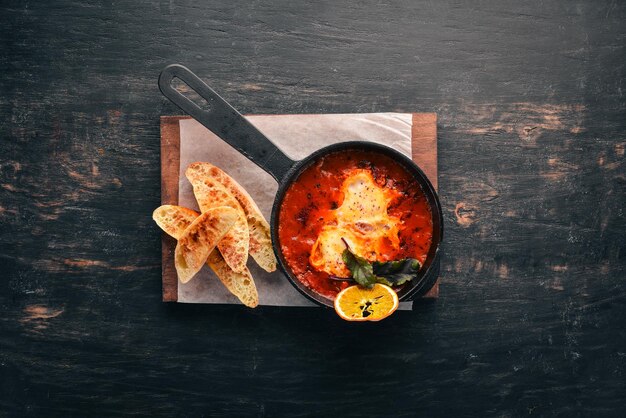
[[224, 121]]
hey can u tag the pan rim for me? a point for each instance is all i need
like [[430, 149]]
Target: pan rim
[[421, 285]]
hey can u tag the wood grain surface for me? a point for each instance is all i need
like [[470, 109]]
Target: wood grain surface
[[170, 174], [423, 151], [532, 135]]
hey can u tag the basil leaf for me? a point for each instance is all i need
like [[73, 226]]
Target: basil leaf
[[395, 273], [360, 268]]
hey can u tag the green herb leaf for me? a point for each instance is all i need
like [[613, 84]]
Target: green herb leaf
[[395, 273], [390, 273], [360, 268]]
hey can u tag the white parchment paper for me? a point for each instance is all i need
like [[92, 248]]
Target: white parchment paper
[[298, 136]]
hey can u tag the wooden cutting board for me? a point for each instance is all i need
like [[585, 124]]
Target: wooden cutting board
[[423, 150]]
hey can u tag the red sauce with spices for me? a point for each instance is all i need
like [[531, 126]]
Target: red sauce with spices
[[318, 191]]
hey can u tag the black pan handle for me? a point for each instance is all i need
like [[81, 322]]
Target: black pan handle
[[224, 121]]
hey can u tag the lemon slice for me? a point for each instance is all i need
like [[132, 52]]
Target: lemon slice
[[357, 303]]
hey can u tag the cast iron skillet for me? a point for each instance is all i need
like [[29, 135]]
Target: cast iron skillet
[[224, 121]]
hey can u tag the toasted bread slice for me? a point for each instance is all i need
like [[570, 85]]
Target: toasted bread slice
[[200, 238], [239, 284], [260, 238], [174, 220], [234, 246]]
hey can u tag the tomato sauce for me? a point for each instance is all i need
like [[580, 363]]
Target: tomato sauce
[[318, 191]]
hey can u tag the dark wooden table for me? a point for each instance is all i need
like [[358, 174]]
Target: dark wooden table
[[531, 318]]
